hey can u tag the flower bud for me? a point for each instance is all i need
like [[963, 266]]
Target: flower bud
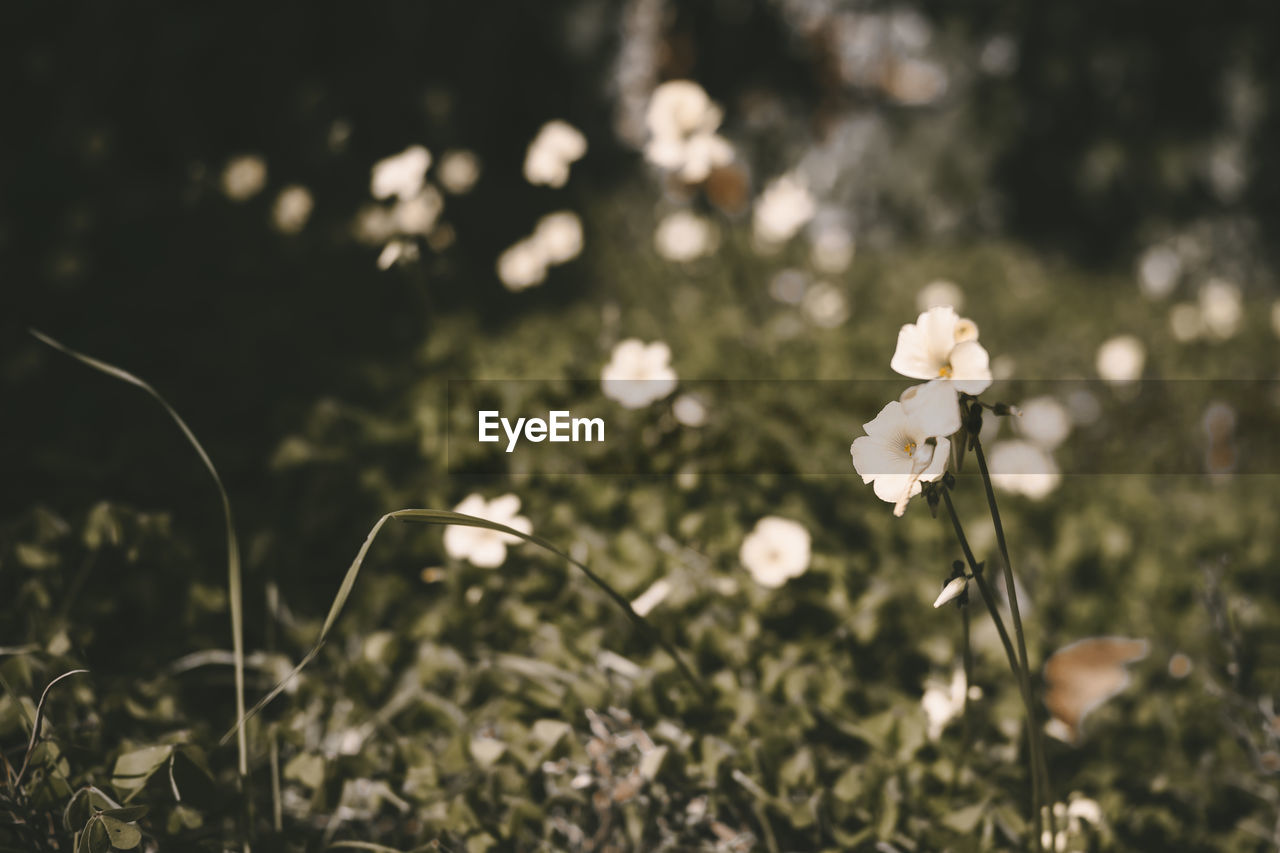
[[954, 587]]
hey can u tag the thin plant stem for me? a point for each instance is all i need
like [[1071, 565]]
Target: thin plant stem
[[1037, 740], [988, 598]]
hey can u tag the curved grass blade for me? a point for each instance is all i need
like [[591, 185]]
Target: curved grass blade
[[234, 594], [35, 728], [446, 517]]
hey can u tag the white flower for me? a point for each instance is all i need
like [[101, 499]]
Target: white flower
[[1158, 271], [1121, 358], [559, 236], [418, 214], [1222, 307], [896, 456], [292, 209], [781, 210], [937, 294], [942, 345], [1024, 469], [943, 702], [402, 175], [481, 547], [684, 236], [522, 265], [831, 248], [689, 410], [244, 177], [1070, 819], [1044, 421], [638, 373], [459, 170], [825, 305], [1186, 322], [776, 550], [651, 597], [682, 122], [934, 406], [556, 147]]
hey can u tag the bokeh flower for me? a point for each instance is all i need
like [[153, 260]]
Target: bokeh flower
[[557, 146], [522, 265], [682, 121], [401, 175], [458, 171], [1043, 421], [244, 177], [776, 550], [684, 236], [1222, 307], [1023, 468], [784, 207], [486, 549], [942, 703], [292, 209], [1120, 359], [559, 236], [896, 456], [943, 345], [638, 373]]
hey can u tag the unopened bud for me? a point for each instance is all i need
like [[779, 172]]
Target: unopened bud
[[954, 587]]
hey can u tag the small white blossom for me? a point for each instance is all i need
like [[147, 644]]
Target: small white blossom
[[1023, 468], [682, 121], [689, 410], [896, 456], [522, 265], [937, 294], [1043, 421], [1121, 359], [1158, 271], [244, 177], [1186, 322], [418, 214], [943, 702], [402, 175], [292, 209], [486, 549], [638, 373], [1222, 307], [831, 248], [684, 236], [784, 207], [825, 305], [942, 345], [559, 236], [557, 146], [775, 551], [459, 170]]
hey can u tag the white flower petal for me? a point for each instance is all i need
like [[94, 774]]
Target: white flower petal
[[934, 406], [970, 368]]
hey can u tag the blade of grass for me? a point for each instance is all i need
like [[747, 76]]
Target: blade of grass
[[35, 728], [234, 594], [446, 517]]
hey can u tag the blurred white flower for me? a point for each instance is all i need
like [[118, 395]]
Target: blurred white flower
[[374, 224], [1069, 818], [1043, 421], [775, 551], [914, 82], [684, 236], [689, 410], [486, 549], [781, 210], [559, 236], [789, 286], [418, 214], [682, 121], [942, 345], [1158, 271], [1022, 468], [895, 456], [1222, 307], [557, 146], [1120, 359], [244, 177], [831, 248], [933, 406], [522, 265], [402, 175], [638, 373], [938, 294], [1186, 322], [397, 251], [942, 703], [651, 597], [292, 209], [825, 305], [458, 171]]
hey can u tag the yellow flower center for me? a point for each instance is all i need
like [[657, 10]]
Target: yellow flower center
[[945, 371], [910, 447]]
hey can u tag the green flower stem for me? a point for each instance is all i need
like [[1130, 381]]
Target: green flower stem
[[1037, 736], [988, 598]]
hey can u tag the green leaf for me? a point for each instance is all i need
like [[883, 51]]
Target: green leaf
[[306, 768], [124, 836], [133, 769], [965, 820]]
